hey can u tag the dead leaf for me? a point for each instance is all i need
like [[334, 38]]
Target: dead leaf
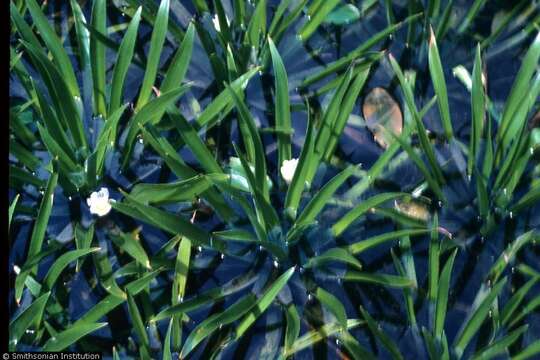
[[412, 208], [380, 110]]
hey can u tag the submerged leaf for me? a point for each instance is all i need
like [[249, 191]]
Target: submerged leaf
[[333, 304], [343, 15], [337, 255]]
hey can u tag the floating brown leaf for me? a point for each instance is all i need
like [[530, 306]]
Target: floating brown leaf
[[414, 209], [382, 111]]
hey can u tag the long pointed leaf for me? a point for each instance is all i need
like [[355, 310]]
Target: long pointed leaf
[[156, 45], [97, 56], [125, 56], [64, 339], [263, 302], [342, 224], [476, 318], [439, 84], [282, 111]]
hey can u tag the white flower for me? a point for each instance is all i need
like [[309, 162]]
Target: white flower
[[287, 169], [99, 202]]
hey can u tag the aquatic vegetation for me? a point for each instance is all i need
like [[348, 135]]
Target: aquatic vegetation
[[237, 179]]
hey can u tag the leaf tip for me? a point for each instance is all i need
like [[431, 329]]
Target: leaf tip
[[432, 40]]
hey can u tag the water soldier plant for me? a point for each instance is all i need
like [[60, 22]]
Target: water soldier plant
[[176, 191]]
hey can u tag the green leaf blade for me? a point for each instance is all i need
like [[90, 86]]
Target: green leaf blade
[[64, 339], [282, 110], [157, 41], [439, 84], [263, 302], [125, 56]]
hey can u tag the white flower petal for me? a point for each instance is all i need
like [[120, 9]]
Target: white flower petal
[[99, 202], [287, 169]]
